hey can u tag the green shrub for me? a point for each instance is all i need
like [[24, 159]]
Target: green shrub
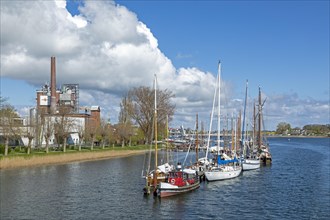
[[2, 149]]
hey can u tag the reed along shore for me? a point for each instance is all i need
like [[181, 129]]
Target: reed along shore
[[20, 161]]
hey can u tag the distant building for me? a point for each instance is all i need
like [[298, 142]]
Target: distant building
[[55, 107], [53, 103], [50, 99]]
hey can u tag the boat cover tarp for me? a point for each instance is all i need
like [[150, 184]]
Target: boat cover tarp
[[165, 168], [220, 161], [189, 171], [226, 157]]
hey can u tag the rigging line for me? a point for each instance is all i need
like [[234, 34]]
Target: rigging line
[[184, 161], [244, 111], [224, 90], [211, 119], [190, 143], [150, 145], [144, 164], [264, 136]]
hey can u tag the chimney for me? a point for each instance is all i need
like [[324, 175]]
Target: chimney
[[52, 85]]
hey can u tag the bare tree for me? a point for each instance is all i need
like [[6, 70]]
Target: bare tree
[[30, 135], [81, 134], [91, 131], [102, 132], [124, 133], [63, 126], [9, 123], [140, 105], [112, 135], [124, 128], [48, 129]]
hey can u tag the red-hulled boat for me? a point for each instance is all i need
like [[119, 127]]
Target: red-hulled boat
[[178, 182]]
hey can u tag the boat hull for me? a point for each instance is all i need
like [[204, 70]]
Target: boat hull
[[265, 156], [223, 173], [249, 164], [266, 160], [166, 189]]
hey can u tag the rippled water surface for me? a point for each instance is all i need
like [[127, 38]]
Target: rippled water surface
[[296, 186]]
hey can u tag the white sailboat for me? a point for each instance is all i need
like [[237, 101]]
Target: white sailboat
[[223, 168], [250, 161]]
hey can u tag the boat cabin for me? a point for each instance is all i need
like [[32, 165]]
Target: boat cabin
[[180, 178]]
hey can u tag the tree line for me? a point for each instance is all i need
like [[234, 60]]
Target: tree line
[[135, 124], [284, 128]]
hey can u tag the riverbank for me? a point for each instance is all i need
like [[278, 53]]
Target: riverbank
[[62, 158]]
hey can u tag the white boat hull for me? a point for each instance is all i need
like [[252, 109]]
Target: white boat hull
[[249, 164], [223, 173], [167, 189]]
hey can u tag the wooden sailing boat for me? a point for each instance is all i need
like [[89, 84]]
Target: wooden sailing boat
[[164, 180], [250, 160], [176, 181], [179, 181], [154, 177], [263, 147], [224, 167]]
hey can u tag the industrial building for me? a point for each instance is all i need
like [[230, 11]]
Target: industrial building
[[52, 104], [50, 99]]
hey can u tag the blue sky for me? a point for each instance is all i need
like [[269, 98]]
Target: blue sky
[[283, 46]]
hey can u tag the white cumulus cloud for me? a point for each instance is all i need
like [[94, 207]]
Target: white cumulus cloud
[[105, 49]]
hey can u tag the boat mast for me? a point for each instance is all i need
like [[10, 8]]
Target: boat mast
[[259, 120], [167, 159], [225, 135], [196, 148], [238, 133], [243, 126], [155, 121], [235, 129], [254, 124], [219, 89], [233, 138]]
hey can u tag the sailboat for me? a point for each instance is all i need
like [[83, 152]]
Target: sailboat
[[154, 177], [250, 160], [164, 180], [263, 147], [179, 181], [225, 167]]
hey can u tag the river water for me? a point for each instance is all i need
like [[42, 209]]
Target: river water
[[295, 186]]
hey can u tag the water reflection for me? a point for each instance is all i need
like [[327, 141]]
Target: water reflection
[[296, 186]]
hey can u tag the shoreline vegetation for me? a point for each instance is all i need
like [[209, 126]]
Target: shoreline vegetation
[[55, 158], [296, 136], [23, 160]]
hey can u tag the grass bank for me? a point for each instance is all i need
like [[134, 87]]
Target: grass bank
[[19, 160]]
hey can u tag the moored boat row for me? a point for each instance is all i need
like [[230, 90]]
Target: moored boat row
[[226, 163]]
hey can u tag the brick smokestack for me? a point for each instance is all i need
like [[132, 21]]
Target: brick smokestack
[[52, 85]]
